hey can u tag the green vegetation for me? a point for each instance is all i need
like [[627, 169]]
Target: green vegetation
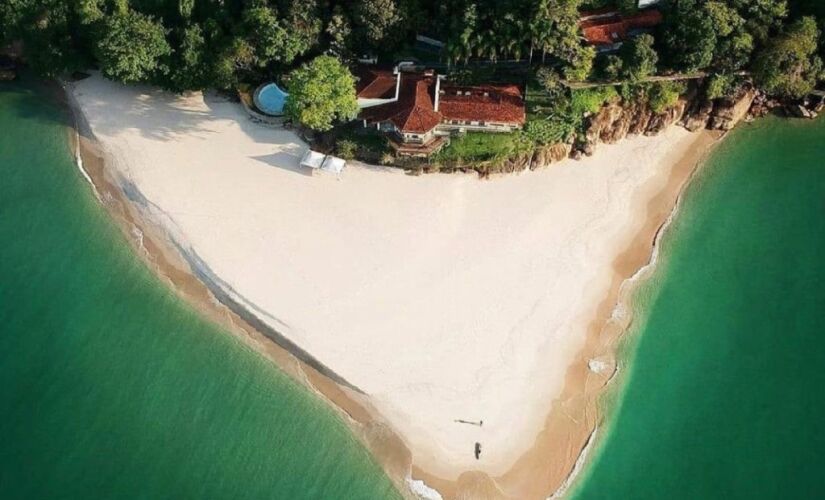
[[131, 47], [310, 44], [718, 86], [321, 92], [638, 58], [588, 101], [557, 114], [365, 144], [474, 148], [789, 65], [722, 35], [346, 149], [663, 95]]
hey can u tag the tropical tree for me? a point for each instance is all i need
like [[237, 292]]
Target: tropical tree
[[462, 40], [267, 36], [762, 17], [554, 28], [689, 35], [338, 30], [376, 19], [638, 58], [190, 60], [131, 47], [581, 64], [789, 66], [320, 93]]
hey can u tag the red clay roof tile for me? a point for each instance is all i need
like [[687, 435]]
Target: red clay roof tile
[[375, 83], [487, 103], [606, 28], [414, 111]]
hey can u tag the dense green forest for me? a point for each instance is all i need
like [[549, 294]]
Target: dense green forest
[[195, 44], [192, 44]]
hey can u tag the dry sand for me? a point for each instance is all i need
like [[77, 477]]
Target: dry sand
[[439, 297]]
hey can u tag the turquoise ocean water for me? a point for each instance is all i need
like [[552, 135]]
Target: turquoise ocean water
[[723, 396], [110, 386]]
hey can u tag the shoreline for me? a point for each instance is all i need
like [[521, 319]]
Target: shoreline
[[623, 312], [170, 262], [583, 387], [153, 245]]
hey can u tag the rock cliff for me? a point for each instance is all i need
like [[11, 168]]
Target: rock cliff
[[617, 120]]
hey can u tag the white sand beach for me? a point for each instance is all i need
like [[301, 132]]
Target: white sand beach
[[442, 297]]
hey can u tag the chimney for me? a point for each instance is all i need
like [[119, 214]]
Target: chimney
[[437, 92], [397, 84]]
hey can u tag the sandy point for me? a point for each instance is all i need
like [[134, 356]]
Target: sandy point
[[455, 310]]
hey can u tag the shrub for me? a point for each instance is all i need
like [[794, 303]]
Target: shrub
[[549, 130], [346, 149], [611, 67], [387, 159], [719, 86], [549, 80], [664, 95], [591, 100], [581, 64]]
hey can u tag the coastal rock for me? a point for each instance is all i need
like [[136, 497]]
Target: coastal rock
[[660, 121], [698, 115], [545, 155], [800, 111], [619, 128], [728, 112], [640, 120], [600, 124]]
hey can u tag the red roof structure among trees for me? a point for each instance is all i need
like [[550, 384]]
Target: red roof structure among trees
[[417, 110], [414, 111], [375, 83], [608, 27], [488, 103]]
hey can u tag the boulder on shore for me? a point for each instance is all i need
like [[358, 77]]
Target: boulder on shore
[[728, 112]]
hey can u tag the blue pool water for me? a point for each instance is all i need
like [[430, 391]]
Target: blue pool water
[[270, 99]]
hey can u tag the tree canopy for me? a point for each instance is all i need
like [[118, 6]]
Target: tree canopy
[[788, 65], [321, 92], [131, 47], [638, 58], [194, 44]]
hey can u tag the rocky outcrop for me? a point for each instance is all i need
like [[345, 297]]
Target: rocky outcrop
[[601, 124], [545, 155], [800, 111], [660, 121], [639, 119], [698, 115], [615, 121], [728, 112]]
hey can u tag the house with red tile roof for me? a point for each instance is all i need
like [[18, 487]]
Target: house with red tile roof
[[606, 29], [423, 109]]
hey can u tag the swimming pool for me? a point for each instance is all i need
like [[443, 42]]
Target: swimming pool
[[269, 98]]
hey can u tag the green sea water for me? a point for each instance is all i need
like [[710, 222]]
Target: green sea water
[[722, 394], [110, 386]]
